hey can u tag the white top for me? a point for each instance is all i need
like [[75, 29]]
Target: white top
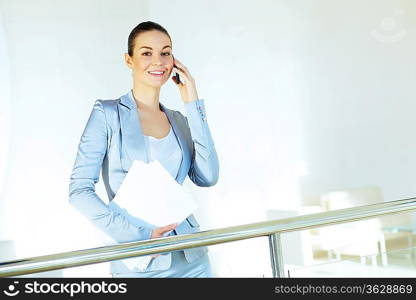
[[166, 150]]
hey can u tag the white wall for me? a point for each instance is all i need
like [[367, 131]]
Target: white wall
[[302, 97], [4, 125], [357, 113]]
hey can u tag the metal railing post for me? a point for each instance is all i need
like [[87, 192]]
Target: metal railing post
[[276, 255]]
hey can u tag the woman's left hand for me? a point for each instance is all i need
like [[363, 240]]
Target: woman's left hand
[[187, 86]]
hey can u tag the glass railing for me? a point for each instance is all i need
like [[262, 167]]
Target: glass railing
[[400, 263], [272, 229]]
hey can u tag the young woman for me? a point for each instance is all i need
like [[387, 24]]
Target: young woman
[[137, 126]]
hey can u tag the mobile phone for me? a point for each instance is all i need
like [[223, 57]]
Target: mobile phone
[[177, 78]]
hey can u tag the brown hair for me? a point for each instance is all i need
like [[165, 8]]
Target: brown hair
[[144, 27]]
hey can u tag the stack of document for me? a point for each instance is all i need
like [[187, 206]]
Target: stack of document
[[150, 194]]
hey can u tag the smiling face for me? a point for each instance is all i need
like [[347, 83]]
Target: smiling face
[[151, 60]]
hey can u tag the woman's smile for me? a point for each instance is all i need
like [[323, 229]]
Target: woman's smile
[[157, 73]]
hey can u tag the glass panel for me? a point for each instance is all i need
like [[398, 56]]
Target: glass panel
[[399, 263]]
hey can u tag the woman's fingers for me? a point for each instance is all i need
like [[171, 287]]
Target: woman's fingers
[[179, 64], [172, 226], [167, 228], [184, 75], [181, 67], [158, 232], [183, 71]]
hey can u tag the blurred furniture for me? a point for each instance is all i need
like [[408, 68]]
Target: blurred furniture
[[364, 238], [411, 231]]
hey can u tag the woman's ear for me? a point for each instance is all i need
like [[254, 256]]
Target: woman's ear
[[127, 60]]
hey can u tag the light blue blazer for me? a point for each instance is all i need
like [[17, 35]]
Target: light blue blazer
[[111, 141]]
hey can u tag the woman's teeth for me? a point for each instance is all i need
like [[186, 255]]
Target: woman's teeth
[[156, 73]]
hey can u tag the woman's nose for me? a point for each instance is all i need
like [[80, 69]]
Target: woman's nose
[[156, 60]]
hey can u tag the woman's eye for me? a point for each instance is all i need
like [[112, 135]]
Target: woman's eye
[[149, 53]]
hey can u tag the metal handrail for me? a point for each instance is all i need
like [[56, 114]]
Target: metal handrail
[[273, 229]]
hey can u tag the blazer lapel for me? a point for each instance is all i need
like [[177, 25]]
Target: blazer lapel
[[132, 139], [186, 155]]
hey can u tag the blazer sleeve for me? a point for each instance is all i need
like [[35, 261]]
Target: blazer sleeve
[[204, 168], [85, 174]]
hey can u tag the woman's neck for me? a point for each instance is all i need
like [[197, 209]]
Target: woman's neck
[[146, 97]]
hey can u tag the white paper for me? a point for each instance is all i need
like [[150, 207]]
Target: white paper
[[151, 194]]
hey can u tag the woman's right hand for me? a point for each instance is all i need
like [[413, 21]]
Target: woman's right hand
[[159, 232]]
